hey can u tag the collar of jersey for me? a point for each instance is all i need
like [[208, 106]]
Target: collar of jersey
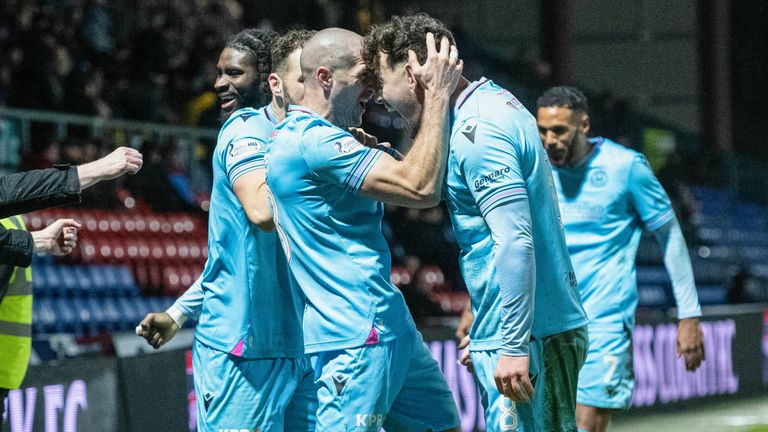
[[238, 113], [595, 143], [464, 95], [303, 109], [270, 113]]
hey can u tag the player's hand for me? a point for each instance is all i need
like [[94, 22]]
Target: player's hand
[[512, 378], [157, 329], [364, 138], [467, 318], [58, 238], [465, 359], [442, 69], [690, 343]]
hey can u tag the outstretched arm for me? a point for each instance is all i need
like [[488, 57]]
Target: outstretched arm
[[123, 160], [34, 190]]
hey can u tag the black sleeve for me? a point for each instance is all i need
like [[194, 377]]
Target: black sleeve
[[38, 189], [16, 247]]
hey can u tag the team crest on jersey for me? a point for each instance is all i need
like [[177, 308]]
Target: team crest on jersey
[[243, 147], [598, 177], [346, 146]]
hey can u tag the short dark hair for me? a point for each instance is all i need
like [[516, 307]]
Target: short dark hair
[[257, 46], [400, 34], [287, 44], [564, 96]]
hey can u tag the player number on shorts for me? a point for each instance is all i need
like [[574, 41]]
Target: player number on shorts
[[613, 361], [508, 417]]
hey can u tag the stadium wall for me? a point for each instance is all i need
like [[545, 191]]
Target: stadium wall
[[152, 391]]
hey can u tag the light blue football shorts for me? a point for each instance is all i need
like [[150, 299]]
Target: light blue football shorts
[[607, 378], [235, 393], [395, 384]]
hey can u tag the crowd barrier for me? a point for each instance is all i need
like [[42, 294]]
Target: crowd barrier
[[145, 390]]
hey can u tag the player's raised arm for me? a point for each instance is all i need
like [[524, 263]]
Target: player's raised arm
[[416, 181]]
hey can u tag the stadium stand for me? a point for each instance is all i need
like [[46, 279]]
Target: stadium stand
[[129, 263], [131, 255]]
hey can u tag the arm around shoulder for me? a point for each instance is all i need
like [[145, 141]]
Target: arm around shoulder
[[416, 180]]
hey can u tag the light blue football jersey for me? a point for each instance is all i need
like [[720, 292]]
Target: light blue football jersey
[[496, 156], [332, 234], [250, 305], [605, 201]]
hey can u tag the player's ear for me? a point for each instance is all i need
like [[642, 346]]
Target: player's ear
[[275, 84], [585, 123], [408, 71], [324, 77]]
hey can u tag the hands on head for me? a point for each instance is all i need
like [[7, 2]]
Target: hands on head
[[442, 69]]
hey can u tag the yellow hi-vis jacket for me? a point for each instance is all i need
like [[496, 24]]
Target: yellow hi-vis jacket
[[15, 320]]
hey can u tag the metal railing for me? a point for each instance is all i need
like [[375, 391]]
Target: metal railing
[[16, 130]]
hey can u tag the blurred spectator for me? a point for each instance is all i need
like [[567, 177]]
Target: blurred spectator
[[96, 30], [427, 235], [743, 288], [683, 202], [162, 183]]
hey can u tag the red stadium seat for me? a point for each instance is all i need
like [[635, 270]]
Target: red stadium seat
[[400, 276]]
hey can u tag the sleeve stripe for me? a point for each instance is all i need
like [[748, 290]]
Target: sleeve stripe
[[362, 169], [245, 160], [500, 197], [660, 220], [241, 169], [356, 166]]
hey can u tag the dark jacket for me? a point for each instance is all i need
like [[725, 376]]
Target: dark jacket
[[27, 192]]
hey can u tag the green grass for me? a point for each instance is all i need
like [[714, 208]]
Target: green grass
[[750, 415]]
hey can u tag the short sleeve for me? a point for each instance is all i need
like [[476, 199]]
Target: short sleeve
[[246, 149], [648, 196], [337, 157], [490, 163]]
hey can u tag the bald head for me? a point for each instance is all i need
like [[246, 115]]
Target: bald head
[[337, 84], [333, 48]]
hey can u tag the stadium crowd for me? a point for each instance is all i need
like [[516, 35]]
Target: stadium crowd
[[155, 63]]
